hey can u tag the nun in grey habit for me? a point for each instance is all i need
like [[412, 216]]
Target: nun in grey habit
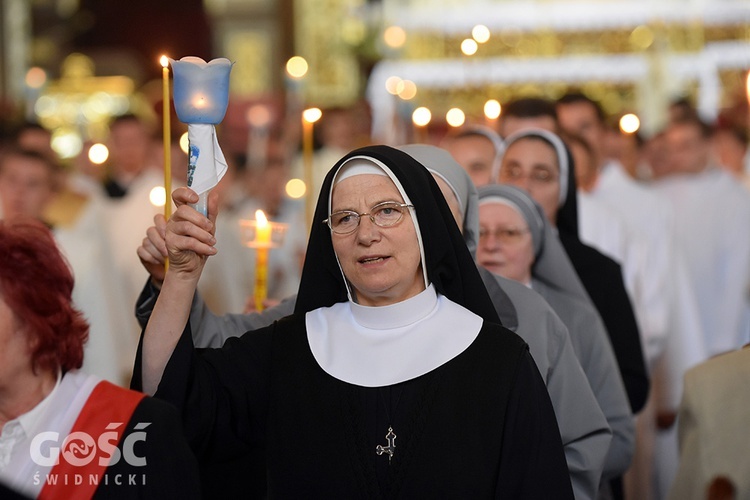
[[553, 276], [584, 430]]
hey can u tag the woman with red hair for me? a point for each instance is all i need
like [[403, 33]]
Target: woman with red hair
[[64, 433]]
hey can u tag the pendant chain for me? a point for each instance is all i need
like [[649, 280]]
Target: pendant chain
[[390, 437]]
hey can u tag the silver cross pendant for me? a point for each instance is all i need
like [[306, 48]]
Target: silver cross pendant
[[391, 438]]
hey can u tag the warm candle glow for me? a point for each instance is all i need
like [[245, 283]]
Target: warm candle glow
[[296, 67], [630, 123], [492, 109], [421, 116], [469, 47], [200, 102], [258, 115], [480, 33], [311, 115], [295, 188], [455, 117], [36, 77], [406, 89], [394, 36], [98, 153], [157, 196], [184, 142], [262, 220], [391, 85], [201, 89]]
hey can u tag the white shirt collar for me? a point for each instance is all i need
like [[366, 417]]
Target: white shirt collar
[[396, 315], [380, 346]]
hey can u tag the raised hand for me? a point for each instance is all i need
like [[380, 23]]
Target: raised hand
[[189, 236], [153, 250], [189, 240]]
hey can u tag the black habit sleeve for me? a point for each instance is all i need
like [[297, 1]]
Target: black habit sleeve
[[222, 397]]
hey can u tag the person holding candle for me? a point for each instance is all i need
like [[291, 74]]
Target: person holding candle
[[392, 377], [584, 430]]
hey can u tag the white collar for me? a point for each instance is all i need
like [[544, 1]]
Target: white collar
[[380, 346]]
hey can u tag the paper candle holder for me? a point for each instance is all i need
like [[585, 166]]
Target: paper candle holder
[[201, 89], [250, 236]]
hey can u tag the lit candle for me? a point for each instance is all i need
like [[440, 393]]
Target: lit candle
[[201, 96], [309, 117], [167, 138], [200, 102], [296, 69], [492, 110], [262, 243], [421, 118]]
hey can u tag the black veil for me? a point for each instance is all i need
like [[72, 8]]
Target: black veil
[[450, 266]]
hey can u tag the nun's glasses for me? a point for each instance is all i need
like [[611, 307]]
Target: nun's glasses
[[504, 235], [385, 214]]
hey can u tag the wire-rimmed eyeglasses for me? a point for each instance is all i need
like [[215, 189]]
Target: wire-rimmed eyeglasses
[[385, 214]]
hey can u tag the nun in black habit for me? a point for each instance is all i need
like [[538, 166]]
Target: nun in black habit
[[363, 392]]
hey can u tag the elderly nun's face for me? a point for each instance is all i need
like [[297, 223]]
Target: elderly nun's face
[[382, 264], [531, 164], [505, 245]]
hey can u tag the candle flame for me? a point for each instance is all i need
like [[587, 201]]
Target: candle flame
[[421, 116], [164, 60], [260, 218], [630, 123], [311, 115], [492, 109], [297, 67]]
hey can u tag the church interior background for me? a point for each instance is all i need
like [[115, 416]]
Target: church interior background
[[73, 64], [412, 70]]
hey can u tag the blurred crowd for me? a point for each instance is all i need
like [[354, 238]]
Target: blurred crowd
[[673, 210]]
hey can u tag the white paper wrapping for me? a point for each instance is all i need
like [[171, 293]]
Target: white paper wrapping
[[206, 163]]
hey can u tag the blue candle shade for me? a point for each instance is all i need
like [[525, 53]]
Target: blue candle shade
[[201, 89]]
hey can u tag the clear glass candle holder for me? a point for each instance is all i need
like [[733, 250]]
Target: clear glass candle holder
[[249, 234]]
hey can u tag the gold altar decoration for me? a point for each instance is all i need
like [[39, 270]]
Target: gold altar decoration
[[616, 98], [324, 33], [81, 104]]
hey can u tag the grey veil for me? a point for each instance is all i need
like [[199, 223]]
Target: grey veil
[[552, 265]]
